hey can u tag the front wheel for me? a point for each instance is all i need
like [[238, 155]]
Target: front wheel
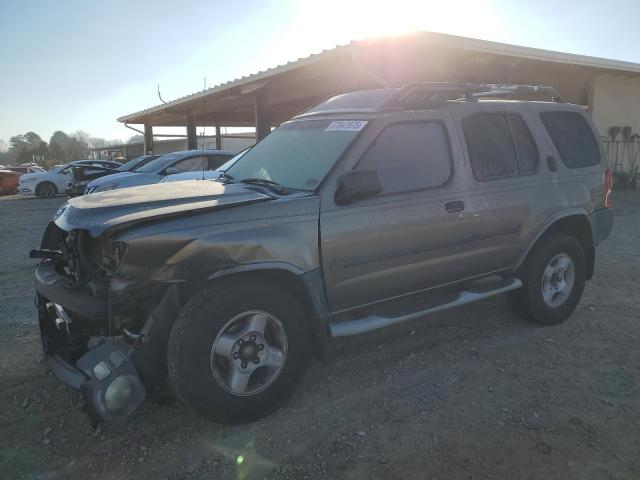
[[553, 280], [238, 350], [46, 190]]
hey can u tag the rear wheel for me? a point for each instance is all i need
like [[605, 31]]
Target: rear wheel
[[553, 280], [238, 349], [46, 190]]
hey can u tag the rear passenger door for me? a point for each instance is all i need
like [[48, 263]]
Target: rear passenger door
[[505, 184]]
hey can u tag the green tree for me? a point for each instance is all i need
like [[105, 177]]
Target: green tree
[[28, 145], [58, 146]]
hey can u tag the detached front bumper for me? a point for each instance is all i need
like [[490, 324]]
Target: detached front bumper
[[104, 372]]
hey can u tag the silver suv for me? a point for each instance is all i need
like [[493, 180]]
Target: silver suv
[[373, 208]]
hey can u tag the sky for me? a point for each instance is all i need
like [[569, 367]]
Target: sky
[[80, 64]]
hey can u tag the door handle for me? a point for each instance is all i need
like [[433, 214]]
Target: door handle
[[454, 207]]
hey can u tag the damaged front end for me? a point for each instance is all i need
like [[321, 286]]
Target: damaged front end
[[95, 325]]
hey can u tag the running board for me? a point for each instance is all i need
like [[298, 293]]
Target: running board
[[375, 322]]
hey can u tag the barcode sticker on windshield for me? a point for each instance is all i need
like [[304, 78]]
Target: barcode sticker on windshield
[[346, 126]]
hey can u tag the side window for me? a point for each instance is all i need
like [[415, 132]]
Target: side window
[[573, 138], [490, 146], [189, 164], [410, 156], [526, 150], [500, 146], [216, 160]]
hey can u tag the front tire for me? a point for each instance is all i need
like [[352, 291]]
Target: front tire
[[553, 280], [46, 190], [238, 349]]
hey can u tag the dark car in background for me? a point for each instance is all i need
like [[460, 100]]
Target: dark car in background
[[82, 175]]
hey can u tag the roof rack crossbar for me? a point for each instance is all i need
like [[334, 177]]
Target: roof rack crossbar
[[429, 94]]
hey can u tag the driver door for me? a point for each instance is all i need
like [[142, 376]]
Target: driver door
[[407, 238]]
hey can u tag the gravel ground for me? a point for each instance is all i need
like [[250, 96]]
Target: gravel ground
[[474, 392]]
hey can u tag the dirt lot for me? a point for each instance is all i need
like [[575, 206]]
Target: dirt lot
[[471, 393]]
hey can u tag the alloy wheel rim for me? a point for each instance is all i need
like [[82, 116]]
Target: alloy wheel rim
[[558, 279], [249, 353]]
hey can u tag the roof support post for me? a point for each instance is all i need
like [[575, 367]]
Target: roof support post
[[261, 117], [148, 139], [218, 137], [192, 141]]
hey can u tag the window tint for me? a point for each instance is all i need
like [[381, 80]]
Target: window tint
[[216, 160], [526, 150], [573, 138], [490, 146], [409, 156], [189, 164]]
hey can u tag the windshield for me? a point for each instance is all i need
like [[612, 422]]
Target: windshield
[[159, 164], [298, 154]]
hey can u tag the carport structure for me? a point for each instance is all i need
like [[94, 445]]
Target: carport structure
[[268, 98]]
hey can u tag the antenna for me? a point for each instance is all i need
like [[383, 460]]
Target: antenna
[[160, 96], [204, 124]]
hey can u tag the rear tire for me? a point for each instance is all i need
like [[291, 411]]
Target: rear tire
[[238, 349], [553, 278], [46, 190]]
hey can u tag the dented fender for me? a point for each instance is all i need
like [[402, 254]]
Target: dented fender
[[202, 245]]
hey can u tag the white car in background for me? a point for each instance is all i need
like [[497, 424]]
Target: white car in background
[[48, 184]]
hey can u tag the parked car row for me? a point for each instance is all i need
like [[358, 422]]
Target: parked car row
[[93, 176], [161, 167]]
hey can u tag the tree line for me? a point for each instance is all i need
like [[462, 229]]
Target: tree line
[[61, 148]]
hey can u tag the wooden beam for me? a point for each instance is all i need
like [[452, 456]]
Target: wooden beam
[[261, 116], [192, 141], [218, 138], [148, 139]]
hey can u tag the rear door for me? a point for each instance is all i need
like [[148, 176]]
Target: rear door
[[509, 185]]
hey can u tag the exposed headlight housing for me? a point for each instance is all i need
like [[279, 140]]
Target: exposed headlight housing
[[106, 187], [113, 388]]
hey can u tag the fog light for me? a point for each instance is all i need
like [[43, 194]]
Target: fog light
[[101, 371], [118, 392]]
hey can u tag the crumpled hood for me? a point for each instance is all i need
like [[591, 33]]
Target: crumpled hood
[[126, 179], [100, 212]]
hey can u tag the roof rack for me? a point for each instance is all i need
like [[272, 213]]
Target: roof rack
[[430, 94]]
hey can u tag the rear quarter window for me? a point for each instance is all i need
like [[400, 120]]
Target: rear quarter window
[[573, 138]]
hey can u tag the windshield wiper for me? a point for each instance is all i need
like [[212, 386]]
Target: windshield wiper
[[225, 175], [275, 186]]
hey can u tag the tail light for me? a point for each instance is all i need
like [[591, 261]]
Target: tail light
[[608, 182]]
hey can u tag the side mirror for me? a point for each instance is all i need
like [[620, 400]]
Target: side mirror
[[171, 170], [356, 185]]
